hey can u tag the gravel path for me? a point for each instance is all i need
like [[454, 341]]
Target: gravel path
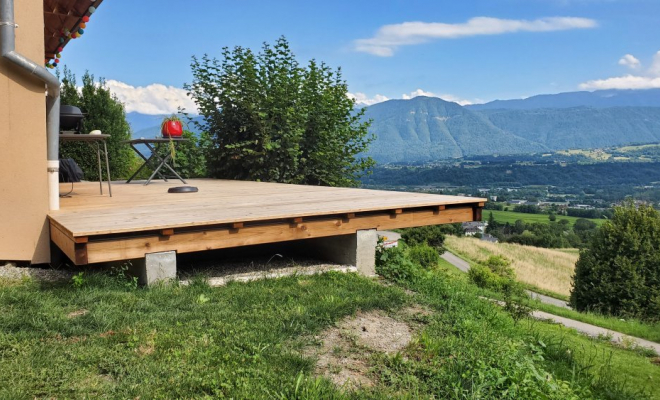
[[596, 331], [456, 261], [547, 299]]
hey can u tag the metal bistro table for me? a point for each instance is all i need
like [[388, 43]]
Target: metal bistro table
[[94, 141], [155, 161]]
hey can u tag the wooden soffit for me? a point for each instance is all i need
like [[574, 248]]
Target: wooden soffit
[[60, 15]]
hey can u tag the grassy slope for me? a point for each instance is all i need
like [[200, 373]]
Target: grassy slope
[[476, 251], [243, 341], [172, 342], [547, 269], [613, 372], [511, 217]]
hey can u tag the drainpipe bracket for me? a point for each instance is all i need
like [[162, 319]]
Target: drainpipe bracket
[[8, 23]]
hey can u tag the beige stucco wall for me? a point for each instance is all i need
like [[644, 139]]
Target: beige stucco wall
[[23, 181]]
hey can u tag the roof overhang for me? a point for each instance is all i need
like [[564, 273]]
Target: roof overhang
[[60, 15]]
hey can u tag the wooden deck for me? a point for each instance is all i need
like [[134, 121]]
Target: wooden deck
[[140, 219]]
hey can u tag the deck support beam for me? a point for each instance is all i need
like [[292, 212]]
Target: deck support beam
[[358, 249], [155, 267]]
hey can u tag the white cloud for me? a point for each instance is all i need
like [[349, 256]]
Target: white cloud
[[363, 99], [152, 99], [389, 37], [447, 97], [655, 65], [630, 61], [622, 82], [418, 92], [649, 79]]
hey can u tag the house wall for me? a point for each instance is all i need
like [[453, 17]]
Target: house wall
[[23, 182]]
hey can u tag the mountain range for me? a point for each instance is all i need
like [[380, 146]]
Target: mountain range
[[428, 128], [596, 99]]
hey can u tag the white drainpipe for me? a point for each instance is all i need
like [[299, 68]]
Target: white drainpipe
[[7, 51]]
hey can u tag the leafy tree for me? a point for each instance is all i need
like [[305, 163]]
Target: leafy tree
[[104, 112], [432, 235], [270, 119], [492, 224], [527, 208], [584, 229], [455, 229], [619, 272], [582, 225]]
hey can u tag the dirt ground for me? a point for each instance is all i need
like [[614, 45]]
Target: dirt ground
[[345, 351]]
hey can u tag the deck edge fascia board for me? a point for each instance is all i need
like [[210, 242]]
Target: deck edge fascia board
[[75, 250], [347, 215], [117, 249]]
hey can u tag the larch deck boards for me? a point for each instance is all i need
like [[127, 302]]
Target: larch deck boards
[[135, 207], [140, 219]]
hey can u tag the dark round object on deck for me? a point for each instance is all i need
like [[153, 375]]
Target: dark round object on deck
[[70, 118], [183, 189]]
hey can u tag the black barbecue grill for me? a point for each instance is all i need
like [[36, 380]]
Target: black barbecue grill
[[71, 119]]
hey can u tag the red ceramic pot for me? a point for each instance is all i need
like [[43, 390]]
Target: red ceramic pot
[[172, 129]]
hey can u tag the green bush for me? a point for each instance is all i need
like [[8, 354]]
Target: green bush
[[424, 255], [483, 277], [619, 271], [501, 266], [496, 274], [393, 263], [430, 235]]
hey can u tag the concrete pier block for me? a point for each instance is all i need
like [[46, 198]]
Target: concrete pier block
[[155, 267], [358, 249]]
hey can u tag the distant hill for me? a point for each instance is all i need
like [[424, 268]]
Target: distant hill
[[580, 127], [597, 99], [428, 128]]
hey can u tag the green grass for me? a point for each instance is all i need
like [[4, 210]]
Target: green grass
[[173, 342], [451, 270], [574, 366], [511, 217], [107, 338], [546, 292]]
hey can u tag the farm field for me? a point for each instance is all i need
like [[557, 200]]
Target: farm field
[[549, 270], [511, 217]]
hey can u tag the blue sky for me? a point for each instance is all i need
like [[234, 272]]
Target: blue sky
[[466, 51]]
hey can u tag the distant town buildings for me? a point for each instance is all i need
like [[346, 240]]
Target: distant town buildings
[[487, 237], [472, 228]]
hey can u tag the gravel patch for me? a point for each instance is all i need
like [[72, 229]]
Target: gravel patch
[[12, 272], [221, 272]]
